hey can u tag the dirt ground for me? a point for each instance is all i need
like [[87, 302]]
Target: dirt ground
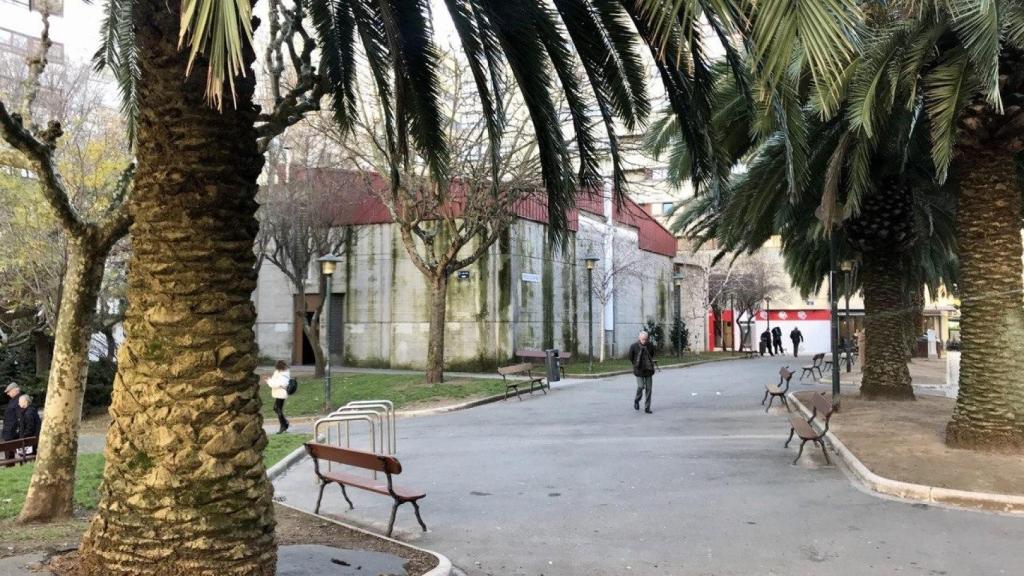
[[923, 371], [292, 528], [904, 441]]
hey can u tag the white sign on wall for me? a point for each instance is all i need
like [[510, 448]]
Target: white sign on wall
[[532, 278]]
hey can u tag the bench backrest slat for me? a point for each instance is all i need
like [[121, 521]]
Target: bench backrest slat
[[515, 369], [31, 441], [785, 374], [357, 458]]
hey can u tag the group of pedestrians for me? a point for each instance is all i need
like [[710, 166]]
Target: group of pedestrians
[[21, 418], [771, 341]]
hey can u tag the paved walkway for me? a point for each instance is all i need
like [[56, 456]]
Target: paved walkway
[[577, 483]]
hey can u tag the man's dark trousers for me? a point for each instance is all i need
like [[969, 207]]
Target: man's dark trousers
[[644, 384], [796, 347]]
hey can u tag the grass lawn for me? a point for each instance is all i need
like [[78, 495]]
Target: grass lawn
[[14, 481], [403, 390], [579, 365]]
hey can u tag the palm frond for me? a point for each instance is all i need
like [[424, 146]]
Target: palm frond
[[221, 30], [119, 54], [978, 24], [947, 87]]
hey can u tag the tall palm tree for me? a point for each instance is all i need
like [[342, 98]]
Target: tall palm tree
[[894, 233], [962, 60], [184, 489]]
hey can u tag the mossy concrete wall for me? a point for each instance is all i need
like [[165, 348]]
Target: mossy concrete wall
[[526, 293]]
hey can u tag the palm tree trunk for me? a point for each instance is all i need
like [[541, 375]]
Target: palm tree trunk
[[885, 362], [989, 411], [185, 490], [51, 491], [435, 346]]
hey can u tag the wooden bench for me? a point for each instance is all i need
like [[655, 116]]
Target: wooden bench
[[778, 390], [19, 448], [519, 370], [389, 465], [814, 366], [541, 355], [821, 407]]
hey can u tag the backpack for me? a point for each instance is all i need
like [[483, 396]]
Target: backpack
[[293, 386]]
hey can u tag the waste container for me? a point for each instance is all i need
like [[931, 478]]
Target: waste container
[[551, 365]]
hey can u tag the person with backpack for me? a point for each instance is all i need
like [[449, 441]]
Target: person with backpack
[[777, 340], [279, 383], [641, 355]]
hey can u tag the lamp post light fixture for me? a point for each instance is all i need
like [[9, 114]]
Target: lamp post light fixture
[[590, 260], [328, 265], [678, 278], [847, 267]]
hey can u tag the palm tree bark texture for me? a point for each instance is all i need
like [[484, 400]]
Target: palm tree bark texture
[[886, 374], [989, 410], [185, 490]]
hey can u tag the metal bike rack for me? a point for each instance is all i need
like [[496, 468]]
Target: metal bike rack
[[389, 436]]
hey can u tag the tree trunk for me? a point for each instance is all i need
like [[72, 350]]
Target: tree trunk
[[885, 365], [185, 490], [435, 347], [51, 491], [108, 334], [988, 411], [312, 332], [602, 353], [43, 346]]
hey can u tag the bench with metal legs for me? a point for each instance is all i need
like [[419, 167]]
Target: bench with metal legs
[[821, 406], [778, 390], [389, 465]]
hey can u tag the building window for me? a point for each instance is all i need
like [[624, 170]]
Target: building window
[[55, 7], [666, 207], [17, 43]]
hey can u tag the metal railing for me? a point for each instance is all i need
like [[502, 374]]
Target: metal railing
[[379, 416]]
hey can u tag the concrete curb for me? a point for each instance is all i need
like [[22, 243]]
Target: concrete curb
[[960, 499], [671, 367], [285, 463], [444, 565], [457, 407]]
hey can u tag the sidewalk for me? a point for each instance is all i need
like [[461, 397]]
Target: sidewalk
[[902, 444]]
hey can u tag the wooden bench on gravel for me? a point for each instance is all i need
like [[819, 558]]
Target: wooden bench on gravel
[[778, 390], [18, 451], [520, 370], [821, 408], [389, 465], [814, 366]]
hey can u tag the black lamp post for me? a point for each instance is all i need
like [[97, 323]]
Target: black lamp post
[[678, 278], [847, 267], [328, 264], [590, 260], [768, 311]]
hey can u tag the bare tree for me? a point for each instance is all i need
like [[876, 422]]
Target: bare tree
[[610, 278], [297, 223], [743, 285], [446, 226]]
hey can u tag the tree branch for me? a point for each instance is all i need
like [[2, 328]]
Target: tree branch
[[39, 152]]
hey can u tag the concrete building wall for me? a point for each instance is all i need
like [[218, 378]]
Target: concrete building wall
[[275, 326]]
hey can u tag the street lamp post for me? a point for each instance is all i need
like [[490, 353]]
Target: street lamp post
[[328, 264], [678, 277], [768, 311], [590, 260], [847, 268], [834, 305]]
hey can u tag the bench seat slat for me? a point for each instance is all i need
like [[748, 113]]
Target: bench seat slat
[[803, 429], [371, 485]]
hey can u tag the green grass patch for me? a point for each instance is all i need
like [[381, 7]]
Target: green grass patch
[[403, 390], [89, 471], [579, 366]]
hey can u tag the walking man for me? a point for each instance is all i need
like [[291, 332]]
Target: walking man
[[641, 355], [797, 338], [777, 339]]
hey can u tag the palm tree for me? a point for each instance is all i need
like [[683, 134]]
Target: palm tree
[[962, 61], [184, 488], [894, 235]]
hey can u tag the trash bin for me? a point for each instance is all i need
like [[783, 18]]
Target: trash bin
[[551, 365]]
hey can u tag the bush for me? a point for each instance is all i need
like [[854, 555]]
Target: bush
[[99, 384], [656, 333], [680, 335]]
